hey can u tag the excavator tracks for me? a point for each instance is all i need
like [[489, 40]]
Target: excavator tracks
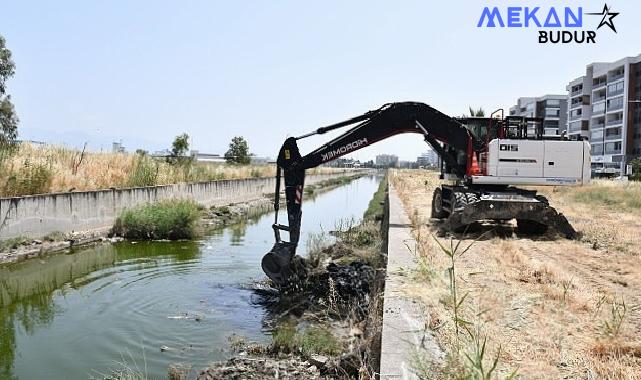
[[463, 206]]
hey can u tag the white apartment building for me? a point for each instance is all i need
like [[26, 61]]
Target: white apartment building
[[429, 158], [603, 106], [551, 108], [387, 160]]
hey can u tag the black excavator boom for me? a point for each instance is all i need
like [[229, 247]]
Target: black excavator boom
[[455, 141]]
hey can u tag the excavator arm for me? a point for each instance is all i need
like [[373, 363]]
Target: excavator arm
[[447, 136]]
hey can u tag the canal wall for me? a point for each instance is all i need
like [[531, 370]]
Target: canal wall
[[36, 216], [405, 324]]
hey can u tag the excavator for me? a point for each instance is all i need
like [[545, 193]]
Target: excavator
[[482, 159]]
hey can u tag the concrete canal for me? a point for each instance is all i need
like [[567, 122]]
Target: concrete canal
[[147, 304]]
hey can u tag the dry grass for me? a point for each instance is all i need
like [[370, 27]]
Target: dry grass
[[42, 169], [607, 193], [554, 306]]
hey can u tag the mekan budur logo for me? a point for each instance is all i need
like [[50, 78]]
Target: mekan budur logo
[[553, 18]]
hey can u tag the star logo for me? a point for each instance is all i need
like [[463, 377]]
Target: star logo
[[607, 18]]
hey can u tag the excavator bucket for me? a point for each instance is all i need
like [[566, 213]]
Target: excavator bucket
[[277, 262]]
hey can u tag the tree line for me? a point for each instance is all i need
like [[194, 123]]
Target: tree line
[[238, 152]]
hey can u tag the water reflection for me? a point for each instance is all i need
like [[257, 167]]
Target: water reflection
[[27, 289], [64, 315], [26, 293]]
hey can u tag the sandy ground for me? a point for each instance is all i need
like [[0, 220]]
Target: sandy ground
[[548, 307]]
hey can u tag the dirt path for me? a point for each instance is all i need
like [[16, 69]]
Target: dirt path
[[557, 308]]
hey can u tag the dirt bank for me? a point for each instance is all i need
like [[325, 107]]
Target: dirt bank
[[327, 323], [541, 306]]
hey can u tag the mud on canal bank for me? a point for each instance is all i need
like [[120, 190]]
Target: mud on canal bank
[[327, 323]]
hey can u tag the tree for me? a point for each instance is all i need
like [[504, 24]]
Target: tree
[[238, 152], [636, 169], [180, 146], [477, 113], [8, 118]]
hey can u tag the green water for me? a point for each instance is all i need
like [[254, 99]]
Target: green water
[[74, 315]]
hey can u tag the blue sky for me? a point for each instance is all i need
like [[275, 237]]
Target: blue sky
[[145, 71]]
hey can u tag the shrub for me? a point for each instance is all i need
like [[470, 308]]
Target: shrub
[[173, 219], [313, 340], [284, 338], [317, 340], [12, 243], [255, 173], [29, 178], [145, 172], [636, 169]]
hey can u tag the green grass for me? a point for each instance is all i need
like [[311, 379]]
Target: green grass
[[144, 173], [284, 338], [172, 219], [616, 198], [375, 209], [609, 193], [313, 340], [54, 236], [12, 243], [331, 182], [318, 340]]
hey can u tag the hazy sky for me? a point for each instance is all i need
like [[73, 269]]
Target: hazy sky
[[145, 71]]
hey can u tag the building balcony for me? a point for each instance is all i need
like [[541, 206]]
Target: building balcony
[[598, 86], [575, 128], [575, 117], [597, 125], [614, 122], [615, 93], [596, 152], [577, 92], [615, 108], [599, 98], [613, 137], [613, 151], [615, 78]]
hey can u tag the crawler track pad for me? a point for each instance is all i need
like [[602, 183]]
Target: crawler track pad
[[530, 209], [276, 263]]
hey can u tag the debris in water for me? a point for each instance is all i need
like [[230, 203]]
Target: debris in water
[[182, 316], [348, 286], [179, 371], [318, 360], [260, 368]]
